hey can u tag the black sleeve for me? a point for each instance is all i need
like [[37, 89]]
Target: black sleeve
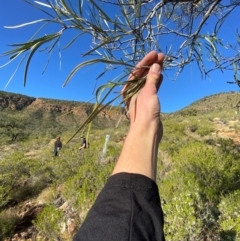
[[127, 209]]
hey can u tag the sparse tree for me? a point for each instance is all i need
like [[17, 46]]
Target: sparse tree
[[12, 127], [123, 31]]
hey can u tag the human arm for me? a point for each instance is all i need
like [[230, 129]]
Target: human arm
[[139, 153], [128, 207], [82, 146]]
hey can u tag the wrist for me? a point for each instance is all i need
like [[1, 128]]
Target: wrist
[[152, 130], [139, 154]]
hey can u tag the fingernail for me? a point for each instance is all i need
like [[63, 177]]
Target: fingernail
[[156, 68]]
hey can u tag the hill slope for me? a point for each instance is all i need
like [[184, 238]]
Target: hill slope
[[198, 169], [23, 116]]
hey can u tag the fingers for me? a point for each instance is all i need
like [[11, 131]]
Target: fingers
[[148, 60], [153, 77], [159, 82], [147, 66], [142, 68], [154, 74], [160, 59]]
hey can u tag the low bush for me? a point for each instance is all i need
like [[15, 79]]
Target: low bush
[[193, 128], [229, 219], [49, 222], [194, 190], [8, 220], [204, 130]]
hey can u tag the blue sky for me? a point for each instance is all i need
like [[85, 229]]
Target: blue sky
[[174, 95]]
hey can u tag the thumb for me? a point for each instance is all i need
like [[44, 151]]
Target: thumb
[[153, 76]]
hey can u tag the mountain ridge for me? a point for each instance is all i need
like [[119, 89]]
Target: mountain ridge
[[10, 100]]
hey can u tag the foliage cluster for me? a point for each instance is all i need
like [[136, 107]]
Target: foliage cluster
[[197, 193], [49, 222], [27, 171]]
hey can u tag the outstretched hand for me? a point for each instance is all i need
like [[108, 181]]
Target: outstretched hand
[[144, 109], [139, 153]]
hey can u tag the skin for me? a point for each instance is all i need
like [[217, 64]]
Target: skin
[[139, 153], [81, 147]]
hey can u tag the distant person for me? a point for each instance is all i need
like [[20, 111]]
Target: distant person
[[129, 207], [57, 146], [83, 144]]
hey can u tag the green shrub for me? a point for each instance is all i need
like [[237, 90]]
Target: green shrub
[[188, 112], [200, 176], [213, 172], [8, 220], [204, 130], [229, 219], [82, 188], [181, 221], [210, 142], [174, 128], [21, 178], [173, 137], [49, 222], [193, 128]]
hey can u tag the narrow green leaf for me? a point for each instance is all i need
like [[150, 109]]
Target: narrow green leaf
[[38, 31], [80, 6], [14, 72], [33, 42], [28, 23], [72, 41], [126, 19], [100, 10], [26, 46], [114, 39], [235, 73], [33, 50], [71, 13], [93, 61], [138, 8], [211, 43], [43, 4], [11, 59], [98, 109], [97, 47], [103, 87], [28, 61], [38, 7], [100, 75]]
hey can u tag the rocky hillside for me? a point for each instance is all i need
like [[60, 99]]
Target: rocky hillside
[[24, 116], [46, 198], [14, 101], [11, 101], [217, 102]]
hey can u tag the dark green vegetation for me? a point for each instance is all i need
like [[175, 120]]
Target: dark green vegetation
[[198, 169]]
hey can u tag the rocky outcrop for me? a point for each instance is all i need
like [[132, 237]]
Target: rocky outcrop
[[20, 102], [15, 102], [28, 213], [76, 108], [50, 107]]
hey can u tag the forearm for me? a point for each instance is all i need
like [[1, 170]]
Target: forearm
[[139, 153]]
